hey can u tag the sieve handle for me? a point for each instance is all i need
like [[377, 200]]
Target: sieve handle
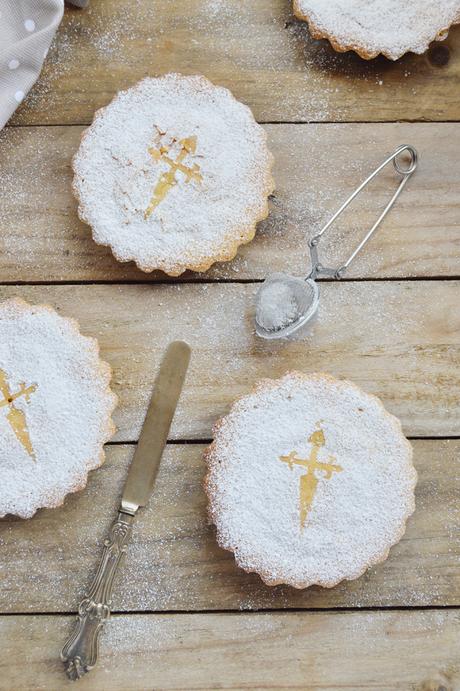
[[317, 268]]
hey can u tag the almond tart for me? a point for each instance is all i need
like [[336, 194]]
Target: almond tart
[[371, 27], [310, 481], [173, 174], [55, 407]]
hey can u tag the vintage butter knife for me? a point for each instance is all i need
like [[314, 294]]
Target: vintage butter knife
[[80, 652]]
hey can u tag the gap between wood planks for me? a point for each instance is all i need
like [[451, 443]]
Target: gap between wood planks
[[223, 281], [197, 442], [407, 121], [248, 612]]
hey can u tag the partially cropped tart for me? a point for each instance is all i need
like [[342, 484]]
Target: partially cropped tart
[[55, 407], [370, 27]]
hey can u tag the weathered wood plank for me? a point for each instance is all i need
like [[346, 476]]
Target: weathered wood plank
[[399, 340], [317, 166], [255, 48], [382, 651], [174, 562]]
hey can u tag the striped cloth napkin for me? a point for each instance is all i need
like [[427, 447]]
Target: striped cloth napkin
[[27, 28]]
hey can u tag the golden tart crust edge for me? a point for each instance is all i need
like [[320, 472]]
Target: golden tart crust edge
[[229, 246], [342, 47], [211, 458], [104, 371]]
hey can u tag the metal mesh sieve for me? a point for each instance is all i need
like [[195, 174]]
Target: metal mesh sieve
[[283, 304]]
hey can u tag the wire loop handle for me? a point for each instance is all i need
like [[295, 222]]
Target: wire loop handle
[[405, 172]]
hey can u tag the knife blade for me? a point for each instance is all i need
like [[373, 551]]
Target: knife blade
[[80, 652], [144, 466]]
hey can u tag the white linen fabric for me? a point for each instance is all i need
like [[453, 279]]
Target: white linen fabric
[[27, 28]]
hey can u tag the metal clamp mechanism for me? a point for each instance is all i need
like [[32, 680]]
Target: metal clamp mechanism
[[317, 268]]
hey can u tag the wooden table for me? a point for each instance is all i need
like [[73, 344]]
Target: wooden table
[[185, 616]]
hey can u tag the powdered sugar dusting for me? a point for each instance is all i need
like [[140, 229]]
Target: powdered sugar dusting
[[277, 306], [173, 174], [371, 27], [305, 76], [356, 515], [67, 412]]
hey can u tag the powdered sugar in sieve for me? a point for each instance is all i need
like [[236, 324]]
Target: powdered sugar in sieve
[[284, 303]]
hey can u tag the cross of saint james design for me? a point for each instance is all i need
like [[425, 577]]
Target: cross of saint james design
[[309, 481], [16, 417], [168, 180]]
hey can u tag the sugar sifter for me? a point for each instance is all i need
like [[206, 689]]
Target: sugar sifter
[[286, 303]]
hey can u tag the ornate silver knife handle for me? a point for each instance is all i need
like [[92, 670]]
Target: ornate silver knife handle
[[80, 652]]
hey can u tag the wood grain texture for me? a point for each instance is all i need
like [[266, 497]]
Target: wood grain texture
[[398, 340], [382, 651], [255, 48], [174, 563], [316, 168]]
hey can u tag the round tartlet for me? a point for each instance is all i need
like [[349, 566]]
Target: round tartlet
[[173, 174], [371, 27], [55, 407], [310, 481]]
